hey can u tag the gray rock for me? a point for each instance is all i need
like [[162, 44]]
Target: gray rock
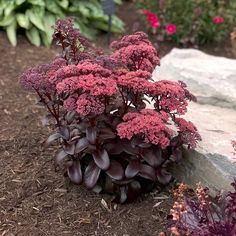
[[212, 79], [213, 162]]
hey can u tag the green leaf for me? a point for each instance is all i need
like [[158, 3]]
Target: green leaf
[[36, 17], [19, 2], [33, 36], [9, 8], [52, 6], [63, 3], [7, 20], [11, 33], [37, 2], [23, 20]]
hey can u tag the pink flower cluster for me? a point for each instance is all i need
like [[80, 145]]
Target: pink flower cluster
[[89, 105], [147, 124], [152, 19], [137, 81], [135, 54], [188, 132], [155, 23], [218, 20], [171, 97], [37, 78]]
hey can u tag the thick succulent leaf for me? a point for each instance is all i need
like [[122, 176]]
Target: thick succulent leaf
[[177, 154], [106, 133], [129, 149], [115, 147], [65, 132], [33, 36], [23, 20], [75, 173], [102, 159], [11, 33], [69, 117], [147, 172], [134, 191], [132, 169], [151, 156], [61, 155], [115, 170], [91, 175], [91, 134], [52, 138], [81, 144], [69, 147], [163, 176]]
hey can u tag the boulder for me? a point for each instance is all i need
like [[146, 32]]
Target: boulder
[[212, 79]]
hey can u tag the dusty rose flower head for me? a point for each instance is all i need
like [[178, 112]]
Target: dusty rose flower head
[[218, 20], [89, 105], [136, 52], [188, 132], [171, 29], [148, 124]]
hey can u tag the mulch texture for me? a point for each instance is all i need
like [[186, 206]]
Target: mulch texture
[[35, 198]]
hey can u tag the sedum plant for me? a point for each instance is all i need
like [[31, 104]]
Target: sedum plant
[[109, 141], [198, 213], [36, 17]]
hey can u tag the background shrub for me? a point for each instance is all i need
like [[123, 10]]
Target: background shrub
[[196, 22], [36, 18]]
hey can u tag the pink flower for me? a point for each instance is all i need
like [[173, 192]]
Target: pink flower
[[148, 124], [171, 29], [89, 105], [218, 20], [188, 132], [152, 19]]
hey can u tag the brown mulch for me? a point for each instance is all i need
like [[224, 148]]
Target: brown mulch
[[35, 198]]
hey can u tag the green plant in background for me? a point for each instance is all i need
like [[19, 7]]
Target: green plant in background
[[36, 17], [192, 22]]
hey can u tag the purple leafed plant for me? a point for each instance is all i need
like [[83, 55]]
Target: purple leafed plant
[[198, 213], [109, 140]]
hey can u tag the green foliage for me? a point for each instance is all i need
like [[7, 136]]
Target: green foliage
[[36, 17], [193, 19]]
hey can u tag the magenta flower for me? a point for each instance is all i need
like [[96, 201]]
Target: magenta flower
[[152, 19], [218, 20], [171, 29]]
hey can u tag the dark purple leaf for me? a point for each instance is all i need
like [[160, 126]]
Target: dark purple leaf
[[134, 191], [132, 169], [75, 173], [102, 159], [91, 134], [114, 148], [121, 196], [61, 155], [163, 176], [91, 175], [151, 156], [65, 133], [69, 148], [147, 172], [129, 149], [52, 138], [177, 154], [115, 170], [81, 145], [69, 117], [106, 133]]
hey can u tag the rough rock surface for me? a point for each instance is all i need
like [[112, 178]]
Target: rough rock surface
[[213, 80]]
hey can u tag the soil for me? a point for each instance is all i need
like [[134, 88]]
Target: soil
[[35, 198]]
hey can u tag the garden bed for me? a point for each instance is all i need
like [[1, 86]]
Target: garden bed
[[34, 197]]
